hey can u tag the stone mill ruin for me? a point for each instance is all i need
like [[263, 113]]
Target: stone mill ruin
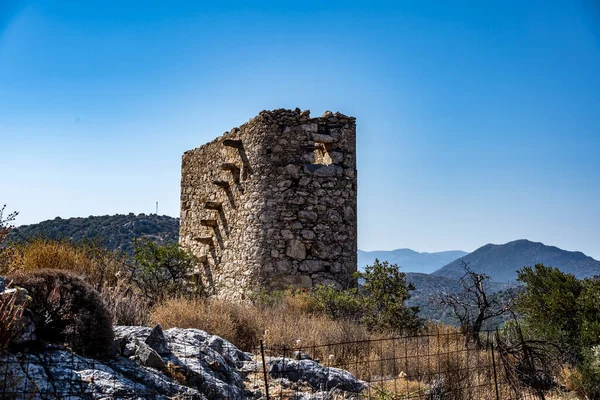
[[272, 204]]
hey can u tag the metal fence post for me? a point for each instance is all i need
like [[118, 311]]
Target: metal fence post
[[264, 363], [494, 366]]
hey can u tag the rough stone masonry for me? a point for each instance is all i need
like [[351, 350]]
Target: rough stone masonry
[[272, 204]]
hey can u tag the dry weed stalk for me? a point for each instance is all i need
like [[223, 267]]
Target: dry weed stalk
[[11, 314]]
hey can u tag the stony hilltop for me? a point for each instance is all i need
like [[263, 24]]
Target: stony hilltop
[[116, 232]]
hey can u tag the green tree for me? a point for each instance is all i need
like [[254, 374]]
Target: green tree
[[385, 292], [564, 312], [161, 271], [379, 302], [589, 312], [550, 306]]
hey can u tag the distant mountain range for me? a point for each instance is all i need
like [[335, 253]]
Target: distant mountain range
[[410, 260], [502, 261], [116, 232]]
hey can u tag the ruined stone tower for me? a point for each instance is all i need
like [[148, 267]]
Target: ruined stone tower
[[272, 204]]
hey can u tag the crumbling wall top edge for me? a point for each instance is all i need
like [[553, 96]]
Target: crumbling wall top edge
[[283, 116]]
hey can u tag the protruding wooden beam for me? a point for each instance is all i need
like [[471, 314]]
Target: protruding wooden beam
[[232, 143], [205, 240], [203, 258], [230, 167], [221, 184], [323, 138], [213, 205], [208, 222]]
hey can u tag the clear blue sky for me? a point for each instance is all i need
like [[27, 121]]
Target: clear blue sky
[[477, 121]]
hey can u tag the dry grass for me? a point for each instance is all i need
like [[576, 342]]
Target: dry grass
[[96, 266], [245, 325], [126, 305], [400, 385]]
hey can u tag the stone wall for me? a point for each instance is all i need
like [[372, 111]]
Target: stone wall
[[273, 203]]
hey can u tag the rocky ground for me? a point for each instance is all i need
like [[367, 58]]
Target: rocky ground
[[174, 364]]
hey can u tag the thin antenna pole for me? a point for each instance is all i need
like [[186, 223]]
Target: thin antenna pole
[[157, 208]]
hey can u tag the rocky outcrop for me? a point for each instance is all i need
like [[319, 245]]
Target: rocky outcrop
[[176, 363], [318, 376]]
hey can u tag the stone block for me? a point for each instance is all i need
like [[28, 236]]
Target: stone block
[[285, 281], [321, 170], [308, 235], [307, 216], [311, 266], [295, 249], [157, 341], [147, 356]]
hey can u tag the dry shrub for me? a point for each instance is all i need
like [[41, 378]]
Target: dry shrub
[[126, 305], [283, 330], [245, 325], [67, 310], [102, 269], [390, 388], [95, 265], [11, 314], [235, 322], [396, 366], [568, 377], [298, 302]]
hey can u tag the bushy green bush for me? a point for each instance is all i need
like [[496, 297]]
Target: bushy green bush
[[380, 302], [338, 304], [163, 271], [268, 298], [385, 291], [550, 305], [586, 380], [563, 311]]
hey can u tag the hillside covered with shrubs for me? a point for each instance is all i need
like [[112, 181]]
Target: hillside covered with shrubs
[[115, 232]]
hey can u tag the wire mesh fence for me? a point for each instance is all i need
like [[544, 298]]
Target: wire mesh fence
[[441, 365], [434, 366]]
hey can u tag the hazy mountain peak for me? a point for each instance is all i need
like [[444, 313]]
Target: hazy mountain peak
[[501, 261]]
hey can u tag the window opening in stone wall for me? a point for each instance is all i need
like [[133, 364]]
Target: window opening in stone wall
[[322, 154]]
